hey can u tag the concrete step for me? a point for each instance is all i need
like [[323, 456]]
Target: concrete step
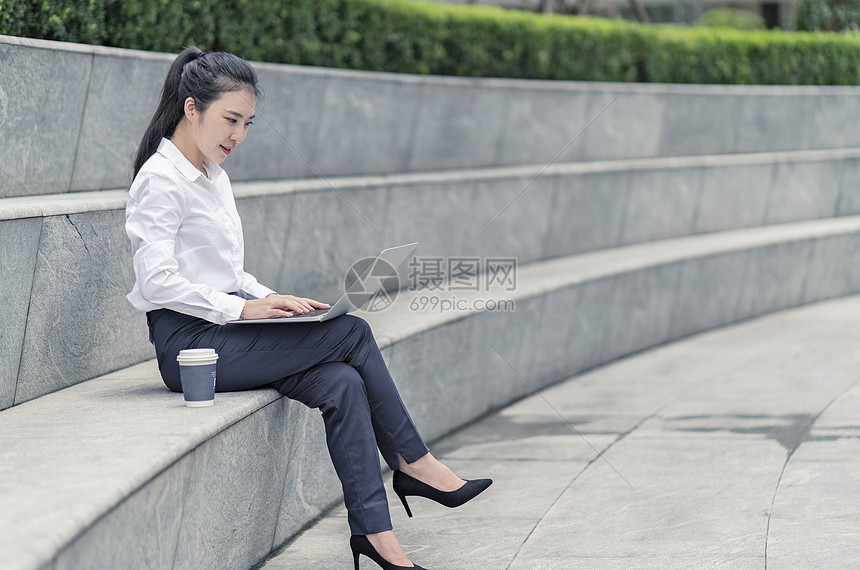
[[338, 122], [116, 473], [67, 261]]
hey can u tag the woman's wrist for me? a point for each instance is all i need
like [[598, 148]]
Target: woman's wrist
[[244, 308]]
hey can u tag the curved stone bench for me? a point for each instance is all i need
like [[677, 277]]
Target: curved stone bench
[[117, 473], [67, 267], [349, 122]]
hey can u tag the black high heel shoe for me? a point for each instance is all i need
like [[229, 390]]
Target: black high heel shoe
[[405, 485], [360, 545]]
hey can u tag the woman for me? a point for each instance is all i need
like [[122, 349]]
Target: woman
[[188, 259]]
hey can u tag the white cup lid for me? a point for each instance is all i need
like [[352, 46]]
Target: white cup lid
[[197, 356]]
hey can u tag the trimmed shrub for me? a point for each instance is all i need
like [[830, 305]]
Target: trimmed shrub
[[764, 57], [159, 25], [444, 39], [80, 21]]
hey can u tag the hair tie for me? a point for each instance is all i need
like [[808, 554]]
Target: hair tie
[[198, 55]]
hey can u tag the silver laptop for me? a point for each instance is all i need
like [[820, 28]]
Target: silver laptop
[[365, 287]]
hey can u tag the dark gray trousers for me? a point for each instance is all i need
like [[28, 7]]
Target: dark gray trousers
[[335, 366]]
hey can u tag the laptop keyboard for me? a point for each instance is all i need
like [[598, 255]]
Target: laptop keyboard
[[314, 313]]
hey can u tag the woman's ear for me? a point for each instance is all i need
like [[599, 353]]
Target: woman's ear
[[190, 109]]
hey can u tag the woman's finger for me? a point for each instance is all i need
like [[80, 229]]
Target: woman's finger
[[296, 305]]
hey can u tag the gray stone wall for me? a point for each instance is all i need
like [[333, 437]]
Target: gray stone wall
[[66, 272], [78, 113]]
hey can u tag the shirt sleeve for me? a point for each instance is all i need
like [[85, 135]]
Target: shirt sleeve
[[155, 211], [252, 288]]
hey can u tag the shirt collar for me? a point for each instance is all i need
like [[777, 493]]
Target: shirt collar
[[183, 165]]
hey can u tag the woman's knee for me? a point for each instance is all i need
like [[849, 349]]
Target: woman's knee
[[360, 337], [332, 384], [356, 325]]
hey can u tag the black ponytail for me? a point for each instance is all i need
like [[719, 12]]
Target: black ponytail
[[205, 78]]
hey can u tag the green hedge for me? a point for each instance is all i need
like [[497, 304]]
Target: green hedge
[[81, 21], [730, 56], [734, 18], [415, 37]]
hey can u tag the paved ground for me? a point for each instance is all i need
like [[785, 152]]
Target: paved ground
[[739, 448]]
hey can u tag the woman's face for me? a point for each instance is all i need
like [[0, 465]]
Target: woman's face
[[224, 124]]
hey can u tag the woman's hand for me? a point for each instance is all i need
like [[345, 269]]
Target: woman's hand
[[280, 306]]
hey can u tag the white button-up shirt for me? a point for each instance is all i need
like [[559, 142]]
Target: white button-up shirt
[[186, 238]]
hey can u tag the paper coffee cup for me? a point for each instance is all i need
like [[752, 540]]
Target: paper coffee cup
[[197, 374]]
